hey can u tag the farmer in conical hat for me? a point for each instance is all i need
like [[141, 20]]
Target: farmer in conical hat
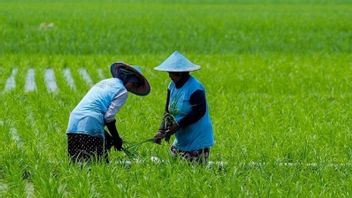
[[86, 136], [186, 112]]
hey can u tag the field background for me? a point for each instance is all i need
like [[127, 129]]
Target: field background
[[278, 79]]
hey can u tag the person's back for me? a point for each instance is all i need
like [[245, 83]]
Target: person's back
[[88, 116]]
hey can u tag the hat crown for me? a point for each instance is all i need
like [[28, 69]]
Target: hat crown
[[176, 62]]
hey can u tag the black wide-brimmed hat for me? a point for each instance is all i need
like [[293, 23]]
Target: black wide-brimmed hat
[[121, 68]]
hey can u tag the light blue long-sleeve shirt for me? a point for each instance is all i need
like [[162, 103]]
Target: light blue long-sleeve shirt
[[98, 107]]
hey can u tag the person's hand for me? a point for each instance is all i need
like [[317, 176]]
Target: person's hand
[[118, 144], [171, 130], [159, 136], [109, 141]]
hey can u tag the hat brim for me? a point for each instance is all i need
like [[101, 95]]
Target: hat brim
[[190, 69], [143, 89]]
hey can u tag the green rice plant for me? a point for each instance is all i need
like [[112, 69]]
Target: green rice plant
[[131, 149], [168, 120], [173, 105]]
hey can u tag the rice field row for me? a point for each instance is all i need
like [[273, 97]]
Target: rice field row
[[49, 79]]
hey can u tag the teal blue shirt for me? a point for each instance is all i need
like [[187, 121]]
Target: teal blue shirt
[[198, 135]]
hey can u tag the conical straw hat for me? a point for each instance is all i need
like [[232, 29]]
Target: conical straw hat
[[176, 62]]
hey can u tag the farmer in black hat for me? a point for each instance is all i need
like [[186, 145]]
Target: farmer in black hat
[[87, 139], [186, 112]]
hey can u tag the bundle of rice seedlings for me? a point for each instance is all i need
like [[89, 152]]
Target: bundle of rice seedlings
[[130, 148]]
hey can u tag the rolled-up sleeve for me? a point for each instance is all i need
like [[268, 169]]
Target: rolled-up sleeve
[[116, 104]]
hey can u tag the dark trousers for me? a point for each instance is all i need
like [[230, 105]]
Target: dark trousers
[[87, 148], [199, 156]]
